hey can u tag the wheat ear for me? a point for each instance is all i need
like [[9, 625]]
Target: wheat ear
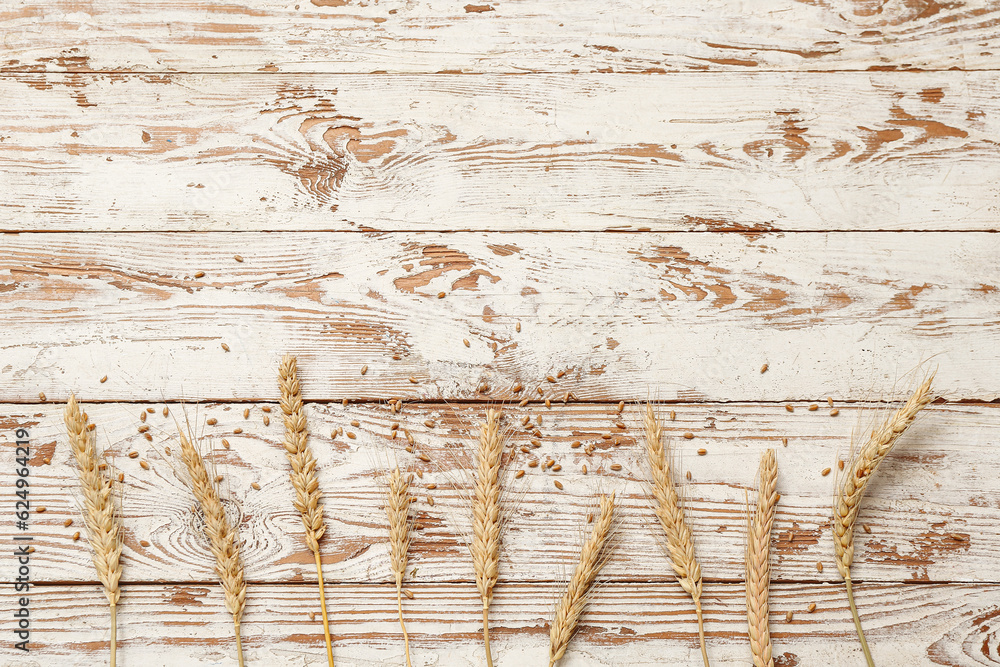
[[486, 519], [864, 463], [397, 509], [758, 560], [221, 536], [574, 600], [670, 512], [104, 528], [303, 476]]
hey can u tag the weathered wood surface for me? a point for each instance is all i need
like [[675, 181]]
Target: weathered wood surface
[[934, 510], [818, 133], [648, 624], [688, 317], [726, 151], [525, 36]]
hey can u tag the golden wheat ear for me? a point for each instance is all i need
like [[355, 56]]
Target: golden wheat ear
[[103, 523], [758, 560], [303, 475], [593, 557], [397, 508], [222, 537], [670, 512], [847, 504], [487, 518]]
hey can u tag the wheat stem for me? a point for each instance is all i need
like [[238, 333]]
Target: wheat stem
[[114, 634], [402, 625], [322, 604], [303, 475], [857, 619], [701, 629], [486, 634], [670, 511], [239, 643]]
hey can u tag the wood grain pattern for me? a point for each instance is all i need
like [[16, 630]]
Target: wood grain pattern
[[162, 626], [727, 151], [525, 36], [688, 317], [934, 511]]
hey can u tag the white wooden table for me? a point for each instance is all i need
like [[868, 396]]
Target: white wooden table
[[652, 198]]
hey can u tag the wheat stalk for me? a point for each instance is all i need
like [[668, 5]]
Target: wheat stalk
[[221, 536], [847, 504], [758, 564], [486, 517], [670, 512], [574, 600], [303, 476], [104, 529], [397, 509]]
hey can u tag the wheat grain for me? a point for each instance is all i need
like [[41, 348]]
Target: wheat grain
[[670, 512], [860, 469], [397, 509], [303, 476], [486, 516], [104, 528], [758, 564], [593, 557], [222, 538]]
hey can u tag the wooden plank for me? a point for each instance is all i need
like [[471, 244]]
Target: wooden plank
[[529, 35], [907, 626], [688, 317], [730, 151], [941, 483]]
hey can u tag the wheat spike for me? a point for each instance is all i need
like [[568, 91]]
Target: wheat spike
[[486, 518], [303, 476], [221, 536], [847, 504], [574, 600], [758, 560], [670, 512], [104, 529], [397, 509]]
